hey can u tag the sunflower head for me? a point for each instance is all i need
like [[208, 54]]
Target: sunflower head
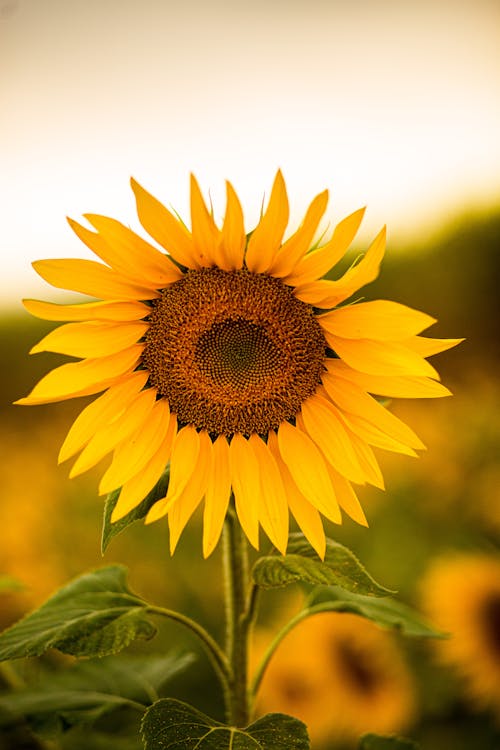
[[462, 595], [342, 675], [231, 359]]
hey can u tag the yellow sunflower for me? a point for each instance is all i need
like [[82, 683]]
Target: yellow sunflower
[[340, 674], [462, 596], [227, 356]]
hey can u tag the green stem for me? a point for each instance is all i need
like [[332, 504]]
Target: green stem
[[302, 615], [239, 619], [212, 648]]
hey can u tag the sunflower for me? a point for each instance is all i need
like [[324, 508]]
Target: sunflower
[[340, 674], [462, 595], [228, 357]]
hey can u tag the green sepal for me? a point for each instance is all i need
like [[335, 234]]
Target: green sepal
[[386, 612], [378, 742], [301, 563], [109, 530], [175, 725], [93, 615]]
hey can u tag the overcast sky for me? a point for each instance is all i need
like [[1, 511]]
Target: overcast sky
[[392, 104]]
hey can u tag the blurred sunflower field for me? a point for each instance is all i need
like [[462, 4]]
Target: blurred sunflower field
[[434, 536]]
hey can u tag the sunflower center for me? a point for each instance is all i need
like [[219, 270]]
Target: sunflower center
[[355, 666], [491, 622], [236, 352], [233, 351]]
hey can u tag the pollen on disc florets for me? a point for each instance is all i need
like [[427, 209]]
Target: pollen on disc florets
[[233, 351]]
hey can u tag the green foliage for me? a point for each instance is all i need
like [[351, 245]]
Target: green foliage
[[377, 742], [80, 739], [110, 530], [81, 694], [302, 563], [175, 725], [94, 615], [383, 611]]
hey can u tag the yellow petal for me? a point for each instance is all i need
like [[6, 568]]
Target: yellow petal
[[370, 433], [296, 246], [133, 417], [184, 506], [206, 235], [397, 386], [92, 339], [324, 425], [91, 390], [217, 495], [89, 277], [246, 486], [350, 398], [183, 462], [367, 460], [305, 514], [123, 311], [347, 498], [132, 455], [100, 412], [315, 264], [308, 470], [380, 357], [273, 507], [426, 347], [267, 235], [233, 239], [130, 254], [328, 294], [381, 320], [89, 376], [136, 489], [164, 227]]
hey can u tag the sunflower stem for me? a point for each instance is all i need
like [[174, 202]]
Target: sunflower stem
[[212, 648], [302, 615], [239, 619]]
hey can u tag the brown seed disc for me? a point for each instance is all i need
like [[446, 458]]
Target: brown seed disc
[[233, 351]]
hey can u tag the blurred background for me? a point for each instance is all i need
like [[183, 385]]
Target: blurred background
[[389, 104]]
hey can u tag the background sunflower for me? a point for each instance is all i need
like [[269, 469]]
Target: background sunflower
[[343, 676]]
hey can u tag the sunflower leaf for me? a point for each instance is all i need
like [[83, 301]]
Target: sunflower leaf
[[386, 612], [93, 615], [109, 529], [82, 693], [377, 742], [301, 563], [175, 725]]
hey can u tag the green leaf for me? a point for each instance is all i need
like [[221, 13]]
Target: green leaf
[[109, 530], [385, 612], [85, 691], [82, 739], [173, 725], [301, 563], [93, 615], [377, 742]]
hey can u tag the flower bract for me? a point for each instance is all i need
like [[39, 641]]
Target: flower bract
[[229, 357]]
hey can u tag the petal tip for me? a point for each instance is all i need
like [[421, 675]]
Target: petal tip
[[25, 401]]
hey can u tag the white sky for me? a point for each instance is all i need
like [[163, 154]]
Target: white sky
[[393, 104]]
